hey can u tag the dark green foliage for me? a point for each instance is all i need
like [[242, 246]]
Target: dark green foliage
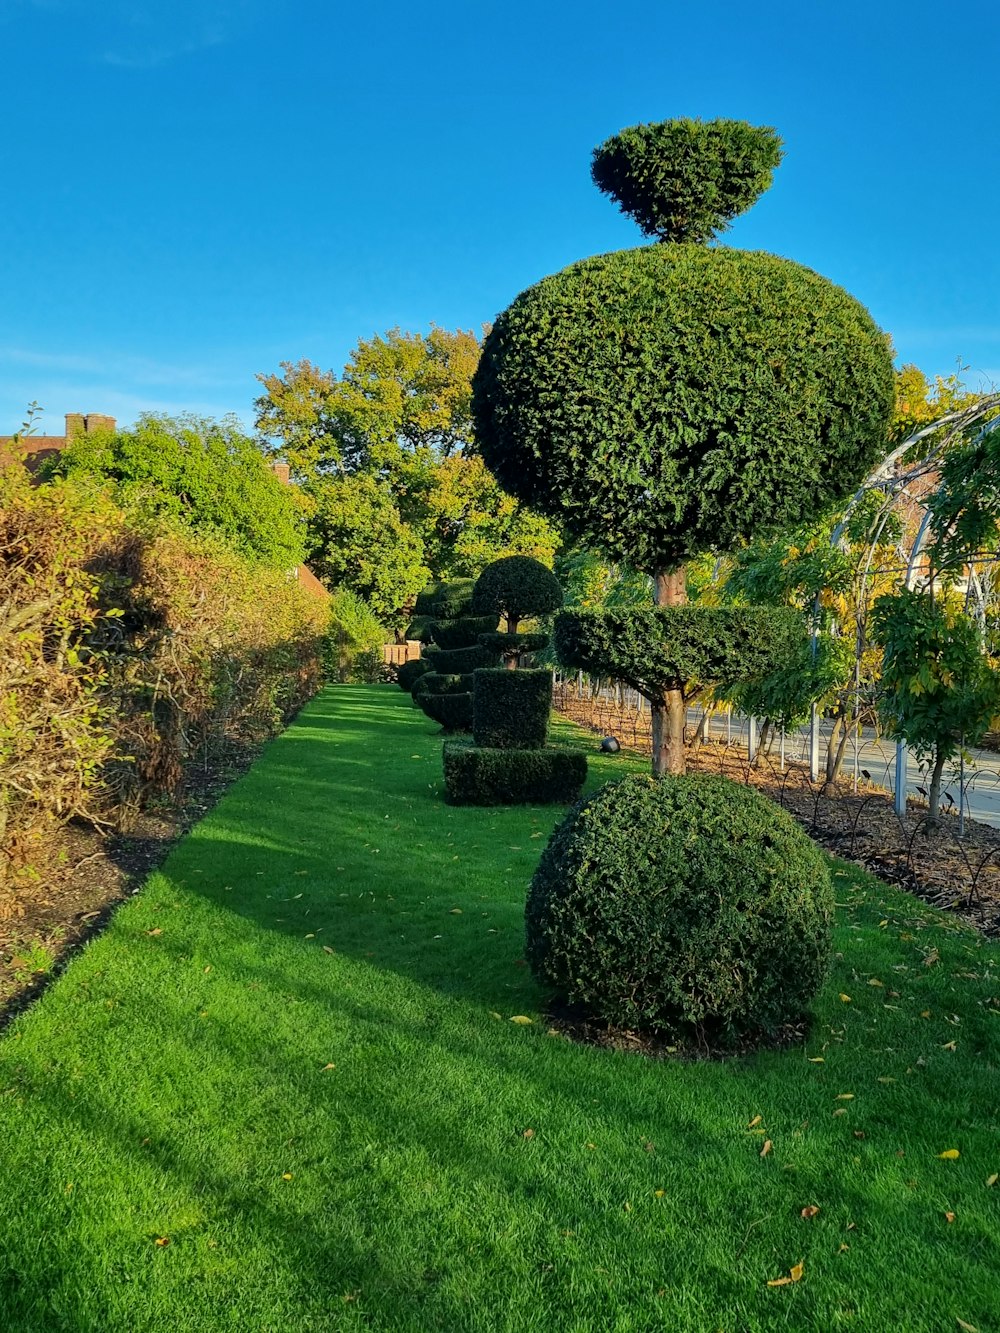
[[426, 603], [685, 180], [671, 400], [667, 904], [518, 587], [419, 628], [410, 672], [453, 599], [513, 645], [452, 711], [466, 632], [477, 776], [512, 708], [437, 682], [452, 661], [664, 647]]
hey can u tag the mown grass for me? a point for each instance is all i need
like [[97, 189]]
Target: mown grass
[[291, 1057]]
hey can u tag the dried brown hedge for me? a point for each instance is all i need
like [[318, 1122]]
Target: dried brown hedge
[[127, 652]]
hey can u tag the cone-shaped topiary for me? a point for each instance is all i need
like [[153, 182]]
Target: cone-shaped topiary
[[693, 906]]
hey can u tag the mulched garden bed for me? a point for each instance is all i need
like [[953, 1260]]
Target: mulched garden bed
[[961, 875], [98, 872]]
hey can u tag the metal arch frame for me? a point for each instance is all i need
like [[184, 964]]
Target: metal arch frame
[[894, 484]]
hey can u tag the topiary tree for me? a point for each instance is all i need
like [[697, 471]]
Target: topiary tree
[[517, 588], [679, 399], [694, 906], [453, 654]]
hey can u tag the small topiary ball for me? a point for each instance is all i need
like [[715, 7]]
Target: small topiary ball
[[688, 905]]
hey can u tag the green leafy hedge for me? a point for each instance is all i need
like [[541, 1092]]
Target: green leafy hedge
[[682, 904], [656, 648], [410, 672], [512, 708], [751, 392], [453, 661], [452, 711], [513, 645], [465, 632], [477, 776], [517, 587]]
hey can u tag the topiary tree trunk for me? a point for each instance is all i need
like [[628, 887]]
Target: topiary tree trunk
[[668, 709]]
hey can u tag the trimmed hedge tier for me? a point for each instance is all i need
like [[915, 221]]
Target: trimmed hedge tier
[[437, 682], [466, 632], [451, 711], [409, 673], [651, 648], [512, 708], [690, 905], [457, 661], [511, 646], [475, 775]]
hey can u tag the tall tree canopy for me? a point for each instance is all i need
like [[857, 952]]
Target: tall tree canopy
[[396, 493]]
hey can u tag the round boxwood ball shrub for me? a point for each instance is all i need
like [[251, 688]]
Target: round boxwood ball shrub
[[517, 587], [688, 905]]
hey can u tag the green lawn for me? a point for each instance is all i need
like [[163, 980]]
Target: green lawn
[[291, 1057]]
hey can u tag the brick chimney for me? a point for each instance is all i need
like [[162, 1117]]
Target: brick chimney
[[281, 471], [79, 424]]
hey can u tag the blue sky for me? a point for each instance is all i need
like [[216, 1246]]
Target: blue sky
[[196, 191]]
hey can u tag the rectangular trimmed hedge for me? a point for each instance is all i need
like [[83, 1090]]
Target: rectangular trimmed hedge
[[477, 776], [511, 709]]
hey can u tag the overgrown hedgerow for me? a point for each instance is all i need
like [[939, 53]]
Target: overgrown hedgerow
[[691, 905], [129, 651]]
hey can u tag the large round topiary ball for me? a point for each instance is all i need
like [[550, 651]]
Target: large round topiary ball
[[682, 905], [675, 399]]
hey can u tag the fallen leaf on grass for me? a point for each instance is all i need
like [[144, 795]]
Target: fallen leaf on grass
[[816, 1059], [931, 958], [658, 1194], [925, 1013], [874, 981], [949, 1154], [287, 1175], [845, 998], [755, 1122], [456, 911], [949, 1217], [766, 1148], [844, 1097], [157, 930], [527, 1134], [810, 1210], [992, 1180], [327, 949], [949, 1046], [326, 1067], [968, 1328], [794, 1275], [522, 1019], [162, 1241], [841, 1110]]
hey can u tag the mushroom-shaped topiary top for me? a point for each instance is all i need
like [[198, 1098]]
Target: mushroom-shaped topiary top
[[517, 587], [685, 180]]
